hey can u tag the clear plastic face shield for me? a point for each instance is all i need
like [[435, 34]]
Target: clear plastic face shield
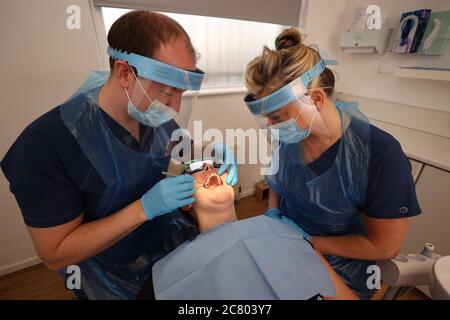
[[198, 165], [289, 113], [161, 92]]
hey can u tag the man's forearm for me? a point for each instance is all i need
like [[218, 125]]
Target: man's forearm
[[350, 246], [91, 238]]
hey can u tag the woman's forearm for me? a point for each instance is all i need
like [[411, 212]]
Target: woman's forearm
[[351, 246]]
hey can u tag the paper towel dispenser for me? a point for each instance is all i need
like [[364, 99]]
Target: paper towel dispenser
[[365, 40]]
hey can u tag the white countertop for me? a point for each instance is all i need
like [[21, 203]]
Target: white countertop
[[419, 145]]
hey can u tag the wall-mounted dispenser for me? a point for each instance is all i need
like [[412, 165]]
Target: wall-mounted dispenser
[[365, 40]]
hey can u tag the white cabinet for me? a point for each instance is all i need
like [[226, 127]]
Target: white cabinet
[[433, 225]]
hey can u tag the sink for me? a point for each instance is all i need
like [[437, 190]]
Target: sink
[[440, 279]]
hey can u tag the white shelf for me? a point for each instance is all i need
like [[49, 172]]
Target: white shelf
[[442, 75], [418, 145]]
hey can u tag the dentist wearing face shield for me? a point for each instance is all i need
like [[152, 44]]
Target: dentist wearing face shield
[[343, 183], [87, 174]]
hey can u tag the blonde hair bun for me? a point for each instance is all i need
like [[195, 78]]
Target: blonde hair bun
[[273, 69], [288, 38]]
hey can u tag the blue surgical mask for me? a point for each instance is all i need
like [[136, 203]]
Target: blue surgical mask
[[290, 132], [156, 114]]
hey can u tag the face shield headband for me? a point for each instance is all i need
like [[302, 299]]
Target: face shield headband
[[161, 72], [287, 94]]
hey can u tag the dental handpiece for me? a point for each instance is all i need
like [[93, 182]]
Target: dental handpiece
[[168, 174]]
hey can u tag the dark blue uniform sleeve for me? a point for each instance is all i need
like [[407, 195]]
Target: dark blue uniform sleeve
[[391, 191], [46, 195]]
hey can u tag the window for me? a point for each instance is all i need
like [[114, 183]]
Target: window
[[225, 46]]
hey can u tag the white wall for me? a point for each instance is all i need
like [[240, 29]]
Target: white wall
[[42, 63], [358, 72]]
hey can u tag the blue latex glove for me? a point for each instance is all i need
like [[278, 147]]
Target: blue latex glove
[[275, 213], [167, 195], [229, 163], [291, 223]]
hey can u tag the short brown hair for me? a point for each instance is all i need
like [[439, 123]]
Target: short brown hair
[[143, 32]]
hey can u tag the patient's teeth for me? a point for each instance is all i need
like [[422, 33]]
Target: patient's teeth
[[208, 180]]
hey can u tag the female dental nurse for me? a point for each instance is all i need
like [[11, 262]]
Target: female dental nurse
[[345, 183]]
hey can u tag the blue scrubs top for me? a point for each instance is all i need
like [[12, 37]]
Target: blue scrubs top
[[51, 178], [390, 186]]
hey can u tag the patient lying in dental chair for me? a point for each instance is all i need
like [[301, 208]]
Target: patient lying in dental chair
[[256, 258]]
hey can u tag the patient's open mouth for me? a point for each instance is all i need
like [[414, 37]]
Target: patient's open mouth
[[212, 180]]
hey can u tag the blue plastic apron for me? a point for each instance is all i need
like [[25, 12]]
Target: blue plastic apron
[[120, 271], [331, 204]]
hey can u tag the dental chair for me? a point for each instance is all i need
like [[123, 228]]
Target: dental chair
[[404, 272]]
